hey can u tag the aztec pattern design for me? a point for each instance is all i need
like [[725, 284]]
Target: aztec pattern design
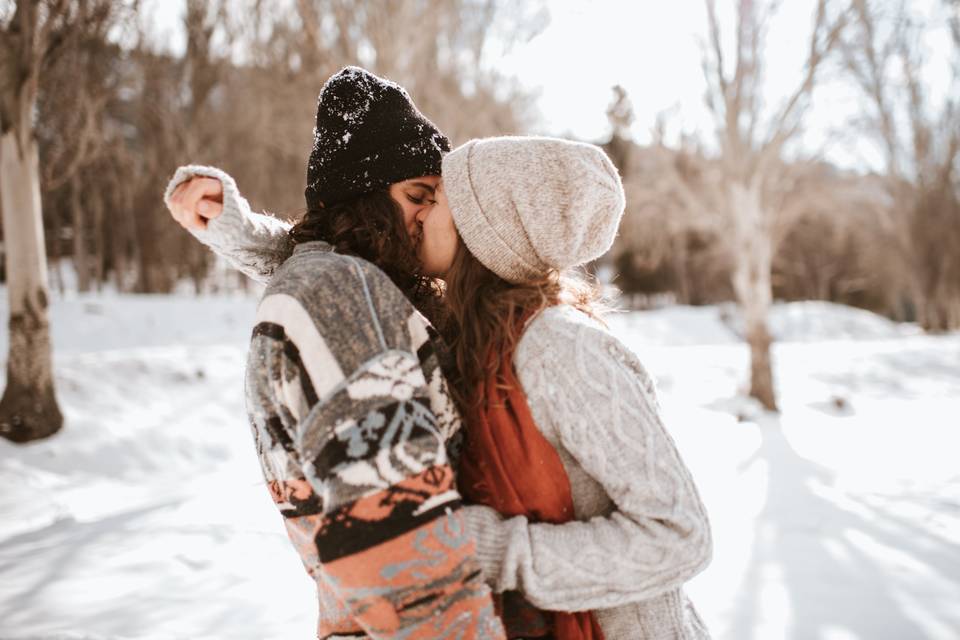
[[352, 418]]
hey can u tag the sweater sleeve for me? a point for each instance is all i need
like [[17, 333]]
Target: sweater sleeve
[[253, 243], [593, 393], [387, 539]]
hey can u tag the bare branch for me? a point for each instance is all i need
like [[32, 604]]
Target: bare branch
[[823, 39], [718, 72], [868, 66]]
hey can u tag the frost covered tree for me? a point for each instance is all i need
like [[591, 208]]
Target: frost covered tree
[[34, 34]]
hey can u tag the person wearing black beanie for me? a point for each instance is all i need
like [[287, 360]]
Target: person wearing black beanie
[[368, 135], [353, 417], [374, 164]]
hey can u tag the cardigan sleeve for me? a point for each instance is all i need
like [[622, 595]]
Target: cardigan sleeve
[[592, 392], [369, 482], [253, 243]]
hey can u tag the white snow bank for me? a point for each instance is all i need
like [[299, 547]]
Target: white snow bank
[[88, 322], [146, 517], [788, 322]]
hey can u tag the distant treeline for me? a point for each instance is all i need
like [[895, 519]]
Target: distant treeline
[[116, 118], [119, 113]]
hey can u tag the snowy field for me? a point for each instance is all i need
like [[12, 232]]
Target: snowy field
[[146, 518]]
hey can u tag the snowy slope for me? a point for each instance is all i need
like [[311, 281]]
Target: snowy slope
[[146, 518]]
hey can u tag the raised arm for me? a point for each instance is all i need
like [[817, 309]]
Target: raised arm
[[591, 390], [254, 243]]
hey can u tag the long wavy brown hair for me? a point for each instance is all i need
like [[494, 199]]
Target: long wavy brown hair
[[488, 314], [371, 227]]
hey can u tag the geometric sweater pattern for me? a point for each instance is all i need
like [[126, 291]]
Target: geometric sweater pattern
[[352, 419], [352, 422]]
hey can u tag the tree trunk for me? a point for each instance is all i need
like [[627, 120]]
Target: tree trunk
[[81, 254], [57, 270], [122, 236], [751, 283], [939, 313], [28, 408], [761, 366], [99, 252], [679, 251]]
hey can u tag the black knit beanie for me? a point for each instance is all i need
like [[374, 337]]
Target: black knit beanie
[[369, 134]]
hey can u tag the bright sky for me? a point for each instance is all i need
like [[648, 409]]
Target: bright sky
[[653, 49], [650, 48]]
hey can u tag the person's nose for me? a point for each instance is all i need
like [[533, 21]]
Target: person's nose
[[422, 214]]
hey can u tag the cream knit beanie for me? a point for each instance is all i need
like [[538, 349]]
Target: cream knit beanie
[[524, 206]]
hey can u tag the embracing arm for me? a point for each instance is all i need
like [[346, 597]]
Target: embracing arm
[[254, 243], [592, 391]]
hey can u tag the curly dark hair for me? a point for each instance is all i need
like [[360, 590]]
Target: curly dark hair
[[371, 227]]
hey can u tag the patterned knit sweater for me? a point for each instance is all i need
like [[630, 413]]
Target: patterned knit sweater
[[641, 530], [352, 421]]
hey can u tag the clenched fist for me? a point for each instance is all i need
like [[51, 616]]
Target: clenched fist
[[196, 201]]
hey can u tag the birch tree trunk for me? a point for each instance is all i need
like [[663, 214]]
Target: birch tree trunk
[[28, 408], [753, 262]]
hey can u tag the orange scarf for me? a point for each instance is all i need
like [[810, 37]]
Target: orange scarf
[[508, 465]]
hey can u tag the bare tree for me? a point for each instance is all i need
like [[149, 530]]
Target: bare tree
[[921, 147], [33, 37], [289, 48], [70, 132], [668, 240], [436, 50], [28, 409], [115, 116], [746, 191]]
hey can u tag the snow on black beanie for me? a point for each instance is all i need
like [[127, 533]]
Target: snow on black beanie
[[369, 134]]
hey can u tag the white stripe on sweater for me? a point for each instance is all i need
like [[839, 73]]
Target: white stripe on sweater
[[286, 311]]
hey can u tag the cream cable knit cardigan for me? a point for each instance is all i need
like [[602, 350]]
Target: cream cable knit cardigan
[[641, 529]]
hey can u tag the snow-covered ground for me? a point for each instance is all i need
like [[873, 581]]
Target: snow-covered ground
[[145, 517]]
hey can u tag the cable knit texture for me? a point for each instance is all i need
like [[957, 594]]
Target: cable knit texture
[[642, 530]]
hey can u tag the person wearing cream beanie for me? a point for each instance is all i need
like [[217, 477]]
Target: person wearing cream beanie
[[586, 519]]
